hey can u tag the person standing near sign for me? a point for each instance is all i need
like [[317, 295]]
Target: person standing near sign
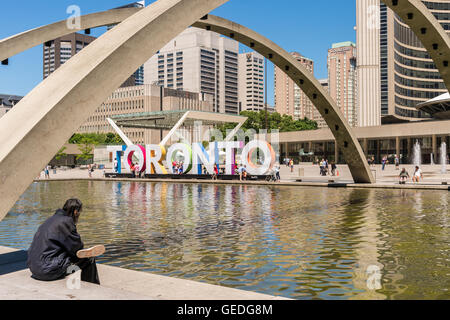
[[241, 171], [133, 173], [137, 171]]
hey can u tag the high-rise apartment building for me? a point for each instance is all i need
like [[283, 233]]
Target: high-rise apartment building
[[342, 84], [199, 61], [395, 72], [289, 98], [59, 51], [251, 81]]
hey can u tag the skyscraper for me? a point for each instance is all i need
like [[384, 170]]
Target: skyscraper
[[368, 62], [289, 98], [199, 61], [251, 81], [395, 72], [342, 84]]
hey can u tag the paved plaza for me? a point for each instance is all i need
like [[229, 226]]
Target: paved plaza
[[389, 176]]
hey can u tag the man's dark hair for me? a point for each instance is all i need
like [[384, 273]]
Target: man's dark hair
[[71, 205]]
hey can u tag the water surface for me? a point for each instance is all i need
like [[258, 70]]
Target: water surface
[[298, 242]]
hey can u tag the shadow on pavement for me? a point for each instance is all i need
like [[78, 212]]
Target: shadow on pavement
[[13, 262]]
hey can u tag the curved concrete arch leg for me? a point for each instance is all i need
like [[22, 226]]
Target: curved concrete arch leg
[[429, 31], [33, 131], [26, 40], [345, 138]]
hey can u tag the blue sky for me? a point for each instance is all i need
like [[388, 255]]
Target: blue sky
[[309, 27]]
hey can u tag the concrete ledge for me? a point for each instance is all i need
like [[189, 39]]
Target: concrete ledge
[[116, 284], [420, 186], [167, 288]]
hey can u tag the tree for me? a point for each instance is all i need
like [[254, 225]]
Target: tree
[[283, 123], [86, 146], [99, 138], [61, 154]]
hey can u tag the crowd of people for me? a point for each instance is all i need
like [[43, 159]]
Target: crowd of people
[[325, 167], [177, 167]]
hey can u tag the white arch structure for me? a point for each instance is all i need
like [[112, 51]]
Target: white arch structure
[[49, 114], [32, 132]]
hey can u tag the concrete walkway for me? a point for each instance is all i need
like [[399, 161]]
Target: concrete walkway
[[116, 284], [308, 182], [388, 178]]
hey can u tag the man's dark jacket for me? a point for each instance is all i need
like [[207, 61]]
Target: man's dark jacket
[[54, 247]]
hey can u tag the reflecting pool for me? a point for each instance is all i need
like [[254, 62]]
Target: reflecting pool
[[298, 242]]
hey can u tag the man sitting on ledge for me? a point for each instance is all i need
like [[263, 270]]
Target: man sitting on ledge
[[57, 247]]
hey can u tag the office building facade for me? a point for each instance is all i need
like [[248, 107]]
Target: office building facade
[[395, 72], [199, 61], [145, 98]]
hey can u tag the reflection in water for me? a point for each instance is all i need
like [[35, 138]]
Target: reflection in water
[[304, 243]]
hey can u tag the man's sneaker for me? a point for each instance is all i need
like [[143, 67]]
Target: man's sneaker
[[95, 251]]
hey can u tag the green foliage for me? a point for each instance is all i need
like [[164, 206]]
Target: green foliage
[[61, 153], [275, 121], [86, 146], [98, 138]]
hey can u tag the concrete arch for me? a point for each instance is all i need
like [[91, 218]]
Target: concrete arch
[[26, 40], [346, 141], [33, 131], [34, 125], [333, 116]]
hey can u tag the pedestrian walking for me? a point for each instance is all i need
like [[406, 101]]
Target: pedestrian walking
[[277, 172], [333, 168], [383, 163]]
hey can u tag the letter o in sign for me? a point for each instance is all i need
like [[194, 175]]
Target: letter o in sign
[[140, 154], [269, 157]]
